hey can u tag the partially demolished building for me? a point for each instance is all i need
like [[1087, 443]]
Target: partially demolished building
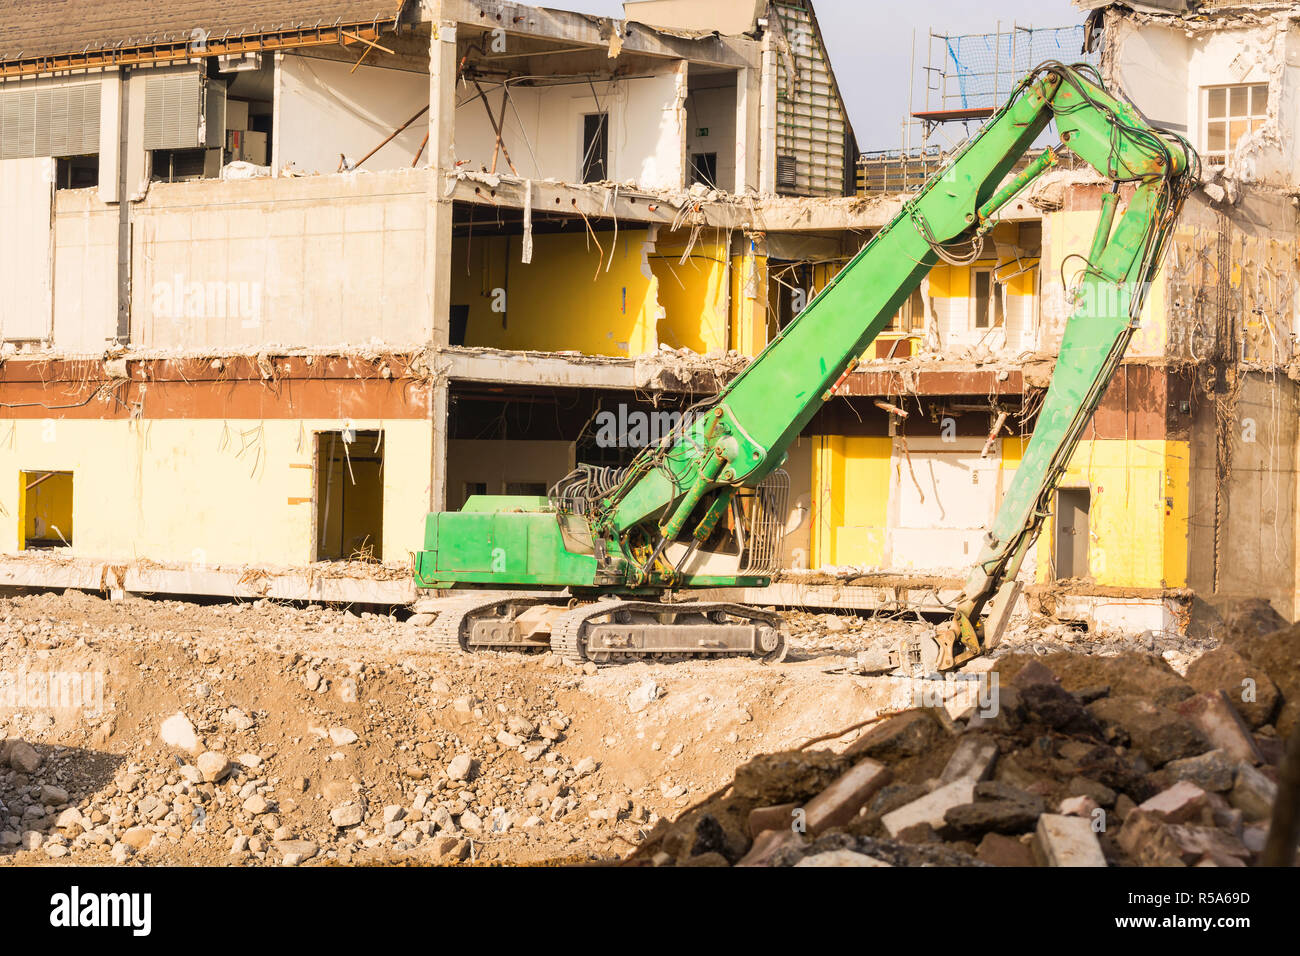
[[281, 277]]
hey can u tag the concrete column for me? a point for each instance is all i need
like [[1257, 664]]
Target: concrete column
[[438, 232], [110, 127], [747, 141], [442, 161], [766, 179]]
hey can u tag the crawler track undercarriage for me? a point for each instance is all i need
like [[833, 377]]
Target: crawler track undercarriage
[[604, 630]]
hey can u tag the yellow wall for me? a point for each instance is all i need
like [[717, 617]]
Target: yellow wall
[[573, 297], [1069, 234], [850, 499], [749, 298], [1138, 516], [1138, 520], [694, 294], [181, 491], [568, 297]]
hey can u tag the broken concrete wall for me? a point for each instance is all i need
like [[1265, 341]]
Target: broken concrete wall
[[26, 250], [543, 130], [1242, 532], [327, 110], [311, 261], [1229, 283], [1166, 66], [85, 271]]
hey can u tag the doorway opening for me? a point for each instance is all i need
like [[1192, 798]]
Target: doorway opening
[[1073, 506], [349, 473]]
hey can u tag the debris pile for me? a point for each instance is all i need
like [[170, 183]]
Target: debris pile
[[1075, 761]]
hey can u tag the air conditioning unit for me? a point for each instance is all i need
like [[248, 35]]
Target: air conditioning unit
[[183, 109]]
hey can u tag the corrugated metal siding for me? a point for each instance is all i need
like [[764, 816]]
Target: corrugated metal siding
[[173, 110], [26, 269], [810, 122], [56, 119]]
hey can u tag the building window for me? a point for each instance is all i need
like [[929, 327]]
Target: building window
[[46, 509], [595, 147], [704, 169], [1230, 113], [911, 317], [987, 300]]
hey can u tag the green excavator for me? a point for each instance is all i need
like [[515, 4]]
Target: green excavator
[[595, 569]]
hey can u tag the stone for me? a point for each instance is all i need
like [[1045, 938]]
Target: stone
[[1099, 793], [1253, 793], [778, 817], [1080, 806], [302, 849], [342, 736], [840, 858], [997, 816], [1067, 841], [177, 731], [138, 838], [1156, 732], [1213, 771], [347, 815], [509, 740], [120, 853], [256, 805], [213, 766], [461, 767], [394, 813], [1041, 694], [905, 735], [999, 850], [1215, 717], [469, 820], [585, 766], [1182, 802], [520, 726], [23, 757], [1251, 692], [767, 844], [973, 759], [931, 808], [448, 848], [348, 690], [840, 802], [643, 696], [53, 796], [69, 818]]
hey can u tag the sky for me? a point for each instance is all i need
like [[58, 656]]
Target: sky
[[870, 44]]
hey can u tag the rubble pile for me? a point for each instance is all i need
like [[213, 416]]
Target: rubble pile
[[1080, 761]]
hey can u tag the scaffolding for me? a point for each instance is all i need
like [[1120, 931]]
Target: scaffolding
[[969, 77]]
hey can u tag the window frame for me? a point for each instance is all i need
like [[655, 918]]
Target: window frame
[[1252, 119]]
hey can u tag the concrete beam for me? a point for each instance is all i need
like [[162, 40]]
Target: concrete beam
[[521, 19], [234, 583], [770, 214]]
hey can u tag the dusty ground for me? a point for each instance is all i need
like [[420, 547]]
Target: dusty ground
[[335, 736]]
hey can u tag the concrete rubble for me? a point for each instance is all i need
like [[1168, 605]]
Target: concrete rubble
[[1086, 761]]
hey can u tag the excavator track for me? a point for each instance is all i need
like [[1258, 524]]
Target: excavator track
[[630, 630], [448, 632], [575, 631]]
